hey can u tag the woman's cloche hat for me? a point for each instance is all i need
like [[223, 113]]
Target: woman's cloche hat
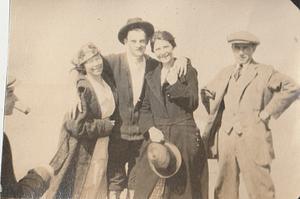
[[86, 52]]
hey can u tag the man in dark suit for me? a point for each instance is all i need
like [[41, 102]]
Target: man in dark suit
[[36, 182], [240, 101]]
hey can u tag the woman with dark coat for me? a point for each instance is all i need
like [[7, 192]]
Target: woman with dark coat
[[80, 163], [167, 115]]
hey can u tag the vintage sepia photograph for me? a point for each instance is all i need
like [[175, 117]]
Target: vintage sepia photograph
[[137, 99]]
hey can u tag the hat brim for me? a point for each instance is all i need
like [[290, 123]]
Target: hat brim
[[176, 153], [243, 42], [146, 26]]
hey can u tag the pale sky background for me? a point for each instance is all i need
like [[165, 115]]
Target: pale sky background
[[46, 34]]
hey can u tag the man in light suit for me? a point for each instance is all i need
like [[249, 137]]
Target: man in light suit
[[240, 101]]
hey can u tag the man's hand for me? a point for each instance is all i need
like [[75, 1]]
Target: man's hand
[[207, 94], [156, 135], [264, 116], [180, 65], [74, 105]]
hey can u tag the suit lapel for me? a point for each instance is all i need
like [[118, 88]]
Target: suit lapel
[[247, 77], [128, 79], [153, 80], [224, 82]]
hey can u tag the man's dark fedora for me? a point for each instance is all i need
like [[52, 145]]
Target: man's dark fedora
[[164, 159], [133, 23]]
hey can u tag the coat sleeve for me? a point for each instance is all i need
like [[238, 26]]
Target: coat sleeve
[[146, 117], [30, 186], [97, 128], [185, 91], [84, 127], [285, 91], [111, 60], [209, 92]]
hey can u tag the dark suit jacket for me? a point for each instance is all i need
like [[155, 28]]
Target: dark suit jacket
[[170, 109], [174, 103], [127, 124]]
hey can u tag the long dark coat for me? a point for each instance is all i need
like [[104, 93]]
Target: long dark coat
[[170, 109], [78, 139]]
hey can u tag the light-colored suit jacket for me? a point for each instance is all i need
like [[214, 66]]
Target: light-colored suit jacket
[[261, 88]]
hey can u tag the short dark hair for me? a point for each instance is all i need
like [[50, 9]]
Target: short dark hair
[[162, 35]]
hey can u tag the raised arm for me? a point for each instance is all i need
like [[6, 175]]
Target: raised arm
[[185, 91], [83, 126]]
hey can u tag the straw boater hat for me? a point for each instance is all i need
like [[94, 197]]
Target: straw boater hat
[[243, 37], [86, 52], [164, 159], [135, 23]]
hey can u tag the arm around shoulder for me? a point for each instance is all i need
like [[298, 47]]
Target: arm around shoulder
[[185, 89]]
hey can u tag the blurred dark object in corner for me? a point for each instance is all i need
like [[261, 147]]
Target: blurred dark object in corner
[[297, 3]]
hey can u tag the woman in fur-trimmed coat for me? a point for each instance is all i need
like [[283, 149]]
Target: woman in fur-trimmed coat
[[80, 163]]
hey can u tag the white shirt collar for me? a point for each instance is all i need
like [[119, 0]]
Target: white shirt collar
[[135, 61]]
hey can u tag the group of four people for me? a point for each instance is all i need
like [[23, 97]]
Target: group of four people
[[128, 101]]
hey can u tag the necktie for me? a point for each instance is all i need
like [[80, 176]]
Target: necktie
[[237, 73]]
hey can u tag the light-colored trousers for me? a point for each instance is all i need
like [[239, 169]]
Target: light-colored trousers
[[233, 160]]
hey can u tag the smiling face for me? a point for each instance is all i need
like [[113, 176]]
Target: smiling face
[[94, 65], [136, 42], [10, 100], [163, 51], [243, 52]]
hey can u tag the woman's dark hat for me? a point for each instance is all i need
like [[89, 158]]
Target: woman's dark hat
[[135, 23], [164, 159]]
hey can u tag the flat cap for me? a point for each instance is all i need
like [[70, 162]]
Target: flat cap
[[242, 37]]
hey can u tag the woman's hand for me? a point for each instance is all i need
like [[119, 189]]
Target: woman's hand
[[156, 135]]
